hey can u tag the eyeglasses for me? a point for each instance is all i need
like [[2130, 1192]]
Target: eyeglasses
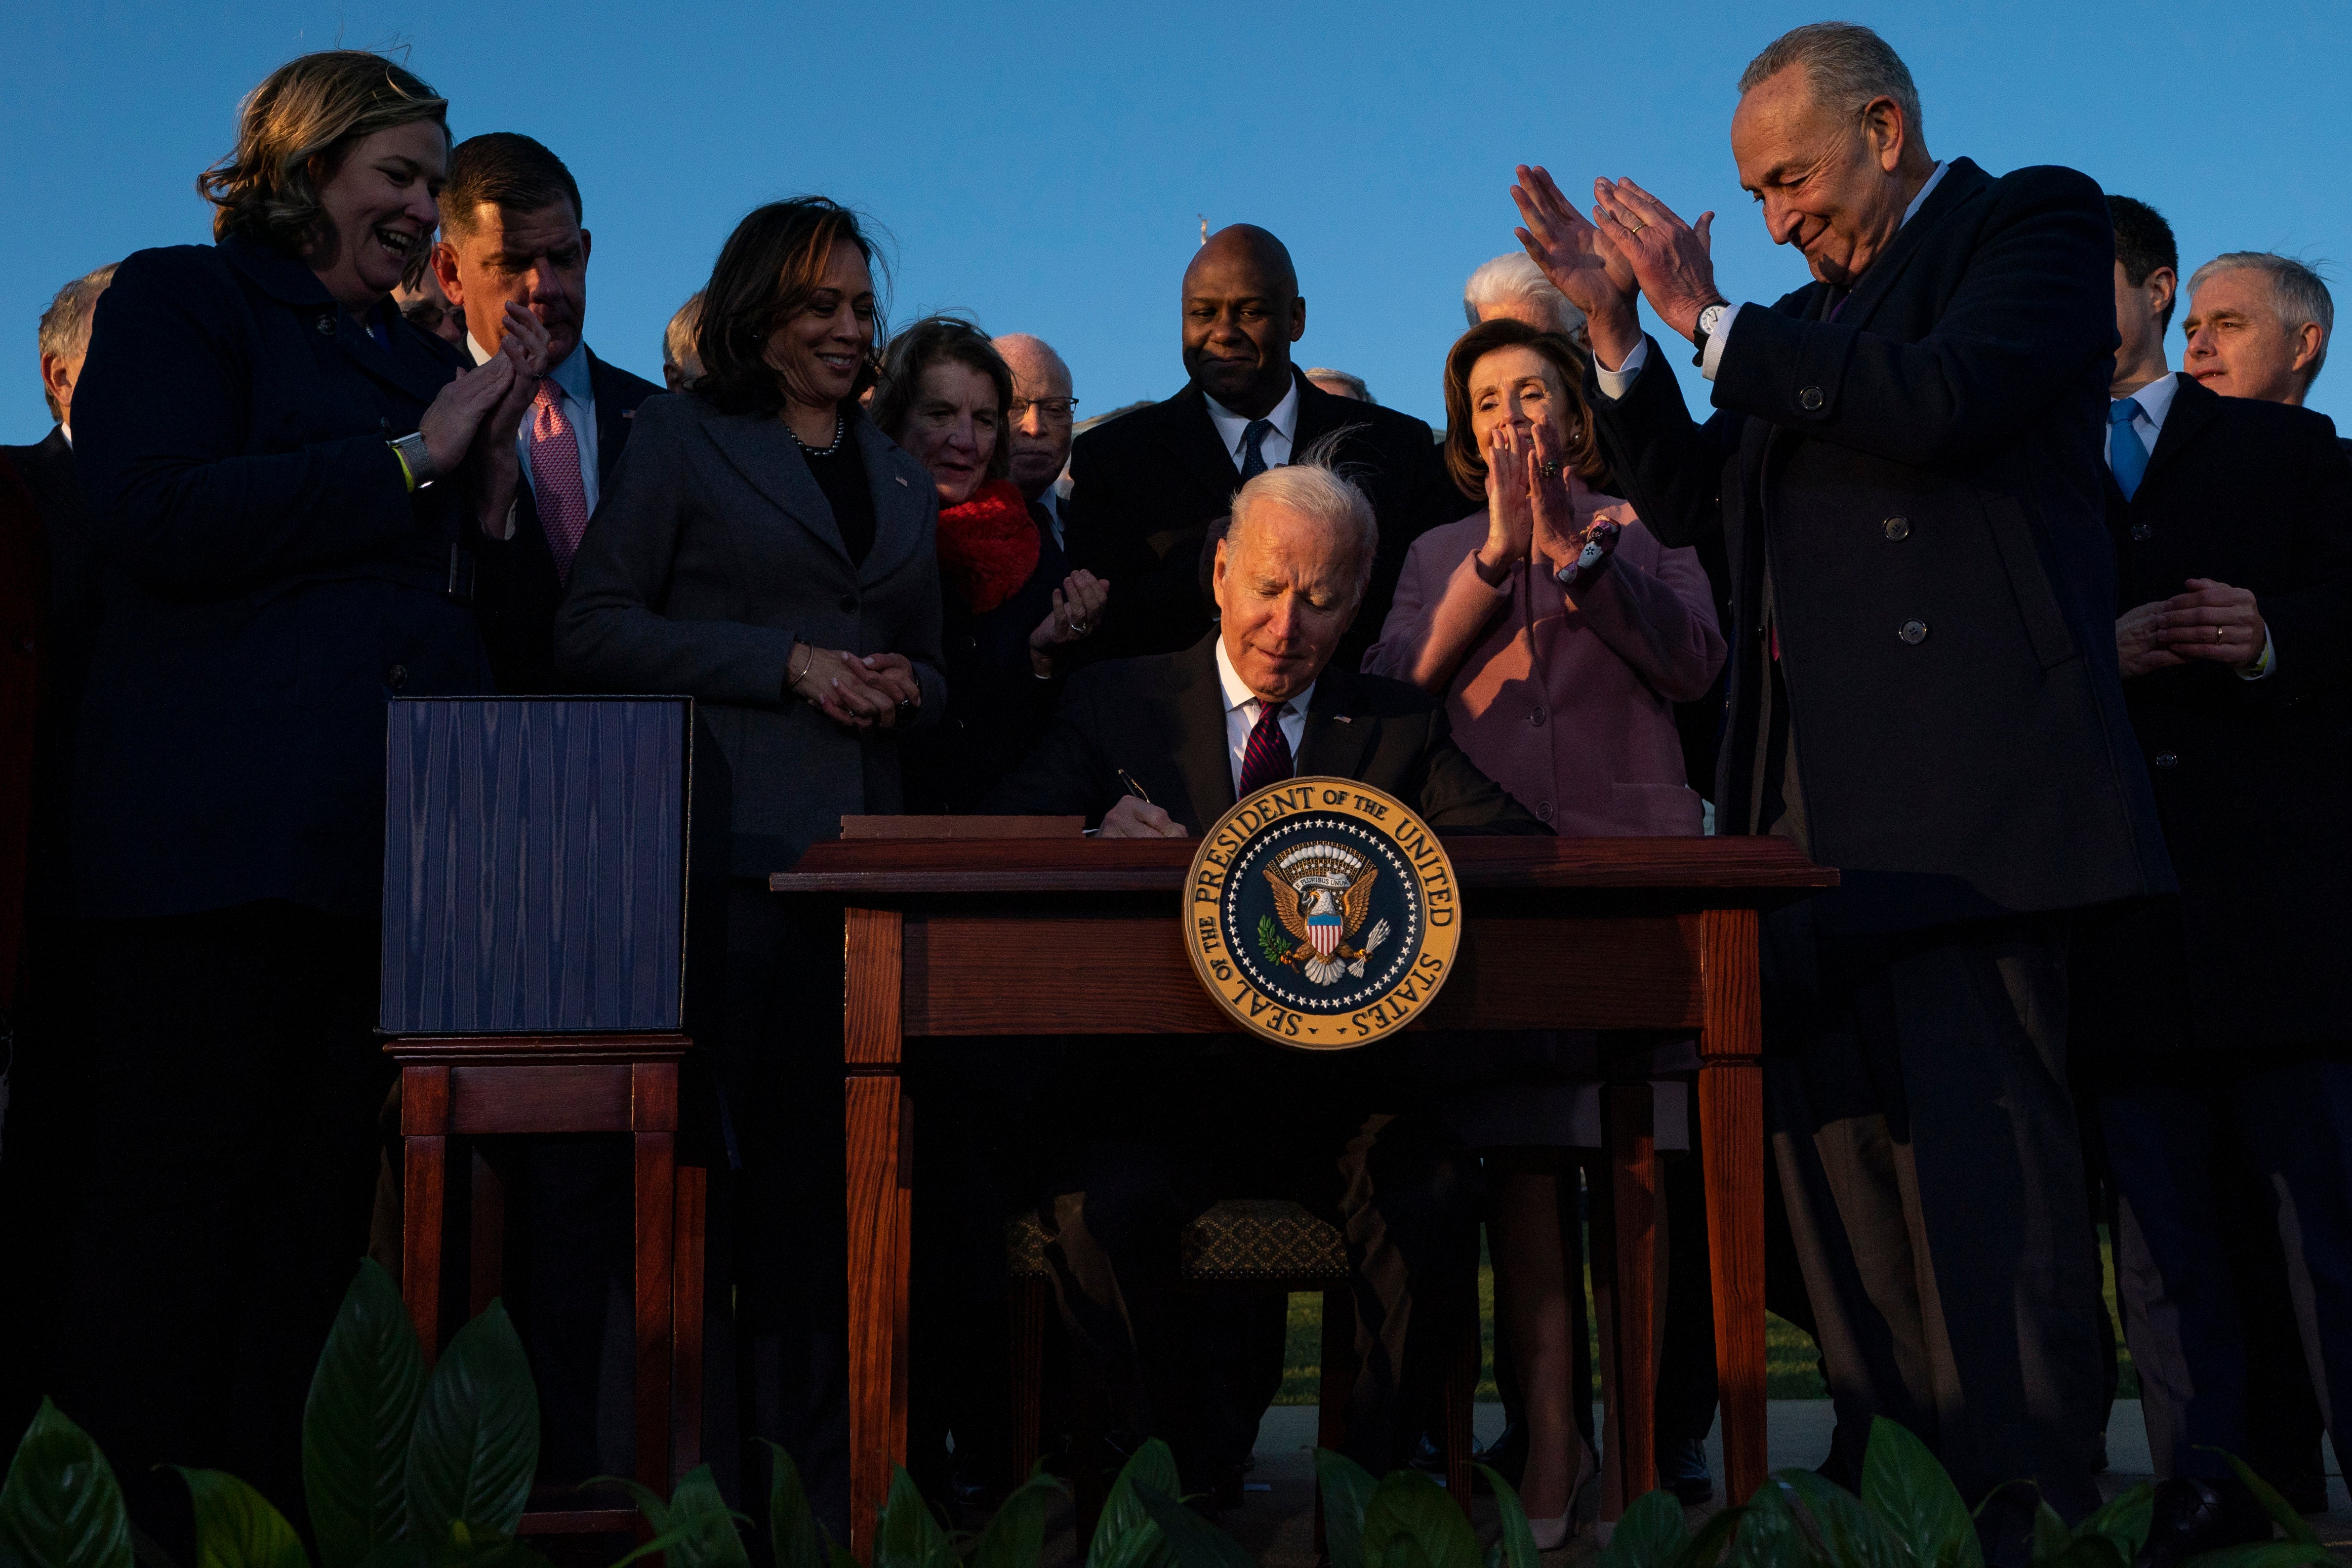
[[1055, 409]]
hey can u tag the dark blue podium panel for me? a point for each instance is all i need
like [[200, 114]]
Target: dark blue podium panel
[[534, 864]]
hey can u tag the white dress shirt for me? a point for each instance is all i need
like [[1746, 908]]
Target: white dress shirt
[[570, 377], [1243, 708], [1613, 383], [2151, 403], [1233, 428]]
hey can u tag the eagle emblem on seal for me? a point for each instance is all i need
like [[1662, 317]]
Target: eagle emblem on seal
[[1322, 891]]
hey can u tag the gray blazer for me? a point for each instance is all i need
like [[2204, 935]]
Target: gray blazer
[[710, 552]]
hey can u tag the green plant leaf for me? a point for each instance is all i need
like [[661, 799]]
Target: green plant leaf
[[1192, 1541], [2051, 1536], [907, 1535], [1771, 1533], [1649, 1534], [792, 1529], [399, 1554], [1410, 1521], [61, 1507], [2268, 1554], [2297, 1528], [703, 1525], [2083, 1552], [1015, 1538], [236, 1527], [1125, 1536], [355, 1424], [1850, 1535], [2122, 1519], [1347, 1489], [1705, 1547], [475, 1446], [468, 1547], [1515, 1545], [1906, 1486]]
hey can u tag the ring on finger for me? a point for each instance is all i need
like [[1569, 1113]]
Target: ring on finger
[[1551, 467]]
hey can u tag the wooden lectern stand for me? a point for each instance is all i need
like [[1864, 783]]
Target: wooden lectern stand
[[1080, 936]]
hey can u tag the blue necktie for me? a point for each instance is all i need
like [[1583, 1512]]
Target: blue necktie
[[1253, 439], [2126, 453]]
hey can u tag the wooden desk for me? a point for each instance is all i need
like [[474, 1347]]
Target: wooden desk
[[1081, 936]]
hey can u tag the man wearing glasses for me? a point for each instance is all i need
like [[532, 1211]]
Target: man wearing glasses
[[1042, 412]]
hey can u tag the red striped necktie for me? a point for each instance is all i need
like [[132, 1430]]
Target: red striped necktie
[[1266, 759]]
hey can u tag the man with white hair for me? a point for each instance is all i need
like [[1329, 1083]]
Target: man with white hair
[[2258, 326], [681, 360], [1044, 415], [1514, 288], [1907, 471], [1161, 747]]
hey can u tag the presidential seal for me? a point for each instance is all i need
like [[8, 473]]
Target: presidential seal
[[1321, 913]]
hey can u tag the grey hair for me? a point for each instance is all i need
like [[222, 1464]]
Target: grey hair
[[65, 324], [1361, 392], [1314, 484], [678, 338], [2297, 292], [1516, 275], [1847, 66]]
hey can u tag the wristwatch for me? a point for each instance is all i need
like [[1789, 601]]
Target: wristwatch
[[413, 461], [1708, 321]]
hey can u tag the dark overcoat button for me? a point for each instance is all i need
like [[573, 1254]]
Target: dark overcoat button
[[1897, 529], [397, 676], [1914, 632], [2167, 760], [1810, 399], [1543, 810], [2141, 531], [1538, 717], [849, 603], [326, 326]]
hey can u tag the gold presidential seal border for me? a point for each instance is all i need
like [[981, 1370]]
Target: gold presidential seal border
[[1225, 978]]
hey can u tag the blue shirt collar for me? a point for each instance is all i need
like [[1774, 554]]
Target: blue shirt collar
[[571, 374]]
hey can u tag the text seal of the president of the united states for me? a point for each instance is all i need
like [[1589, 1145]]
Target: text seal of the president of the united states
[[1321, 913]]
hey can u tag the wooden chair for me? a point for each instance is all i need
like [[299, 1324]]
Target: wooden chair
[[1252, 1244], [458, 1088]]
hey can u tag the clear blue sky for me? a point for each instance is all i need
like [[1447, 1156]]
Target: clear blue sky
[[1040, 166]]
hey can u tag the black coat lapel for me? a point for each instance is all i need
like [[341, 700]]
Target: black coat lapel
[[2194, 406], [897, 508], [613, 421], [1196, 449], [1195, 718], [764, 451], [1962, 182], [1337, 738]]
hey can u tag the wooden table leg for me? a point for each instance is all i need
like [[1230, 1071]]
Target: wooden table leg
[[1731, 1135], [1629, 1126], [878, 1135], [424, 1173], [653, 1093], [685, 1321]]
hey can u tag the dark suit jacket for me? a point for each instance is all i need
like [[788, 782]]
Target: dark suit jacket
[[270, 584], [1924, 475], [516, 588], [2250, 775], [1145, 487], [1163, 718], [713, 552], [51, 594]]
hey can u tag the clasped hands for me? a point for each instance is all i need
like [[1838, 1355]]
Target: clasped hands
[[472, 422], [1529, 510], [1632, 245], [870, 691], [2212, 624]]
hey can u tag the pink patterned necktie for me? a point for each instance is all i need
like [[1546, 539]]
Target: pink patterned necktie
[[1266, 759], [555, 487]]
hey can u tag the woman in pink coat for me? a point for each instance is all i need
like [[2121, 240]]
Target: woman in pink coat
[[1560, 633]]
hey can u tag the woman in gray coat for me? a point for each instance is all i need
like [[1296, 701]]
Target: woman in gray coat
[[766, 551]]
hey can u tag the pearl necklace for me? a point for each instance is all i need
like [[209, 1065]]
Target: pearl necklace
[[840, 426]]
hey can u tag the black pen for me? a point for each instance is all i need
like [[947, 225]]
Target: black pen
[[1137, 791]]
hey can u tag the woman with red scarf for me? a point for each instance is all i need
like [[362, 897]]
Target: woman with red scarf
[[1014, 609]]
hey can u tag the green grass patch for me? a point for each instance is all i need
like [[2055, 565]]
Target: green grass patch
[[1791, 1364]]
